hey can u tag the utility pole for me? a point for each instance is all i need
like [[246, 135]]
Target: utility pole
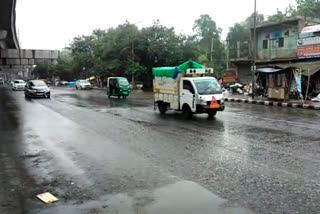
[[132, 57], [132, 74], [254, 46], [227, 54], [211, 50]]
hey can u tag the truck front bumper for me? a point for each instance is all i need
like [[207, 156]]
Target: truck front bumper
[[207, 108]]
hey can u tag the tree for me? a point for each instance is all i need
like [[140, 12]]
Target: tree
[[126, 50], [209, 37], [249, 22], [64, 68], [206, 28], [306, 8], [278, 17], [159, 46], [136, 68], [189, 47], [43, 70], [240, 32], [82, 50]]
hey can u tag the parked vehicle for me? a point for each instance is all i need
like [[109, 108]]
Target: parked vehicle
[[18, 84], [36, 88], [83, 84], [187, 88], [118, 87], [64, 82]]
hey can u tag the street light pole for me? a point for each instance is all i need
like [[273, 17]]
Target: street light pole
[[132, 74], [254, 46], [132, 55]]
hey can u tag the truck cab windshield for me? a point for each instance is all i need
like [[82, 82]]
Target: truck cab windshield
[[207, 86]]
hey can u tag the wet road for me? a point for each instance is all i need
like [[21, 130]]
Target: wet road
[[101, 156]]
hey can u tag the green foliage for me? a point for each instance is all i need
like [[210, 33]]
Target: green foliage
[[278, 17], [43, 69], [126, 50], [209, 36], [249, 22], [64, 69], [240, 32], [206, 28], [307, 8]]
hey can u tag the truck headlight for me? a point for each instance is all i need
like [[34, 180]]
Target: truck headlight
[[203, 102]]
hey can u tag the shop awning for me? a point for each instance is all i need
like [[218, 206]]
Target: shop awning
[[308, 68]]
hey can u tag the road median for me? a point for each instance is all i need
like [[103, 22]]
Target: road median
[[285, 104]]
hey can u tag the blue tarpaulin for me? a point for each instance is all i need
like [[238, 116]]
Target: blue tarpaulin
[[71, 84]]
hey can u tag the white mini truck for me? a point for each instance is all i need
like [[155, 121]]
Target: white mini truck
[[189, 90]]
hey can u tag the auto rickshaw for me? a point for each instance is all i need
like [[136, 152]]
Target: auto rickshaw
[[118, 87]]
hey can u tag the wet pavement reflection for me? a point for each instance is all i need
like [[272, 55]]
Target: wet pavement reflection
[[120, 156]]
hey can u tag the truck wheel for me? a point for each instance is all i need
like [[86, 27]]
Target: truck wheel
[[162, 108], [212, 114], [187, 113], [124, 97]]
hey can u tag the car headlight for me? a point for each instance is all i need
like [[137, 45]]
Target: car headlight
[[203, 102]]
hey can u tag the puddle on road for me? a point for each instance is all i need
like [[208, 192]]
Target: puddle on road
[[180, 198], [88, 101]]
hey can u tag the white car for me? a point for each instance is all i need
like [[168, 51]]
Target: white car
[[83, 84], [18, 85]]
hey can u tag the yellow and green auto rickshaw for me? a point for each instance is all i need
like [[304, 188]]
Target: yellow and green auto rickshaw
[[118, 87]]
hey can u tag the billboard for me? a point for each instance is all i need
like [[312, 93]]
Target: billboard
[[309, 51], [308, 45]]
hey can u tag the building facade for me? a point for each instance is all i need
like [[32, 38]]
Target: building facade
[[283, 44]]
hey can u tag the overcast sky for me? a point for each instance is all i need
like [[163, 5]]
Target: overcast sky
[[51, 24]]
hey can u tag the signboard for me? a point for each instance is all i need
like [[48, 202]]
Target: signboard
[[309, 51], [308, 44], [311, 29], [309, 47]]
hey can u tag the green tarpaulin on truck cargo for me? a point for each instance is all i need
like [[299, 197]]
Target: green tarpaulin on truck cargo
[[189, 64], [173, 71], [164, 71]]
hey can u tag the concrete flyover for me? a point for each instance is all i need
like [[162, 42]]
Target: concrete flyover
[[16, 62]]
